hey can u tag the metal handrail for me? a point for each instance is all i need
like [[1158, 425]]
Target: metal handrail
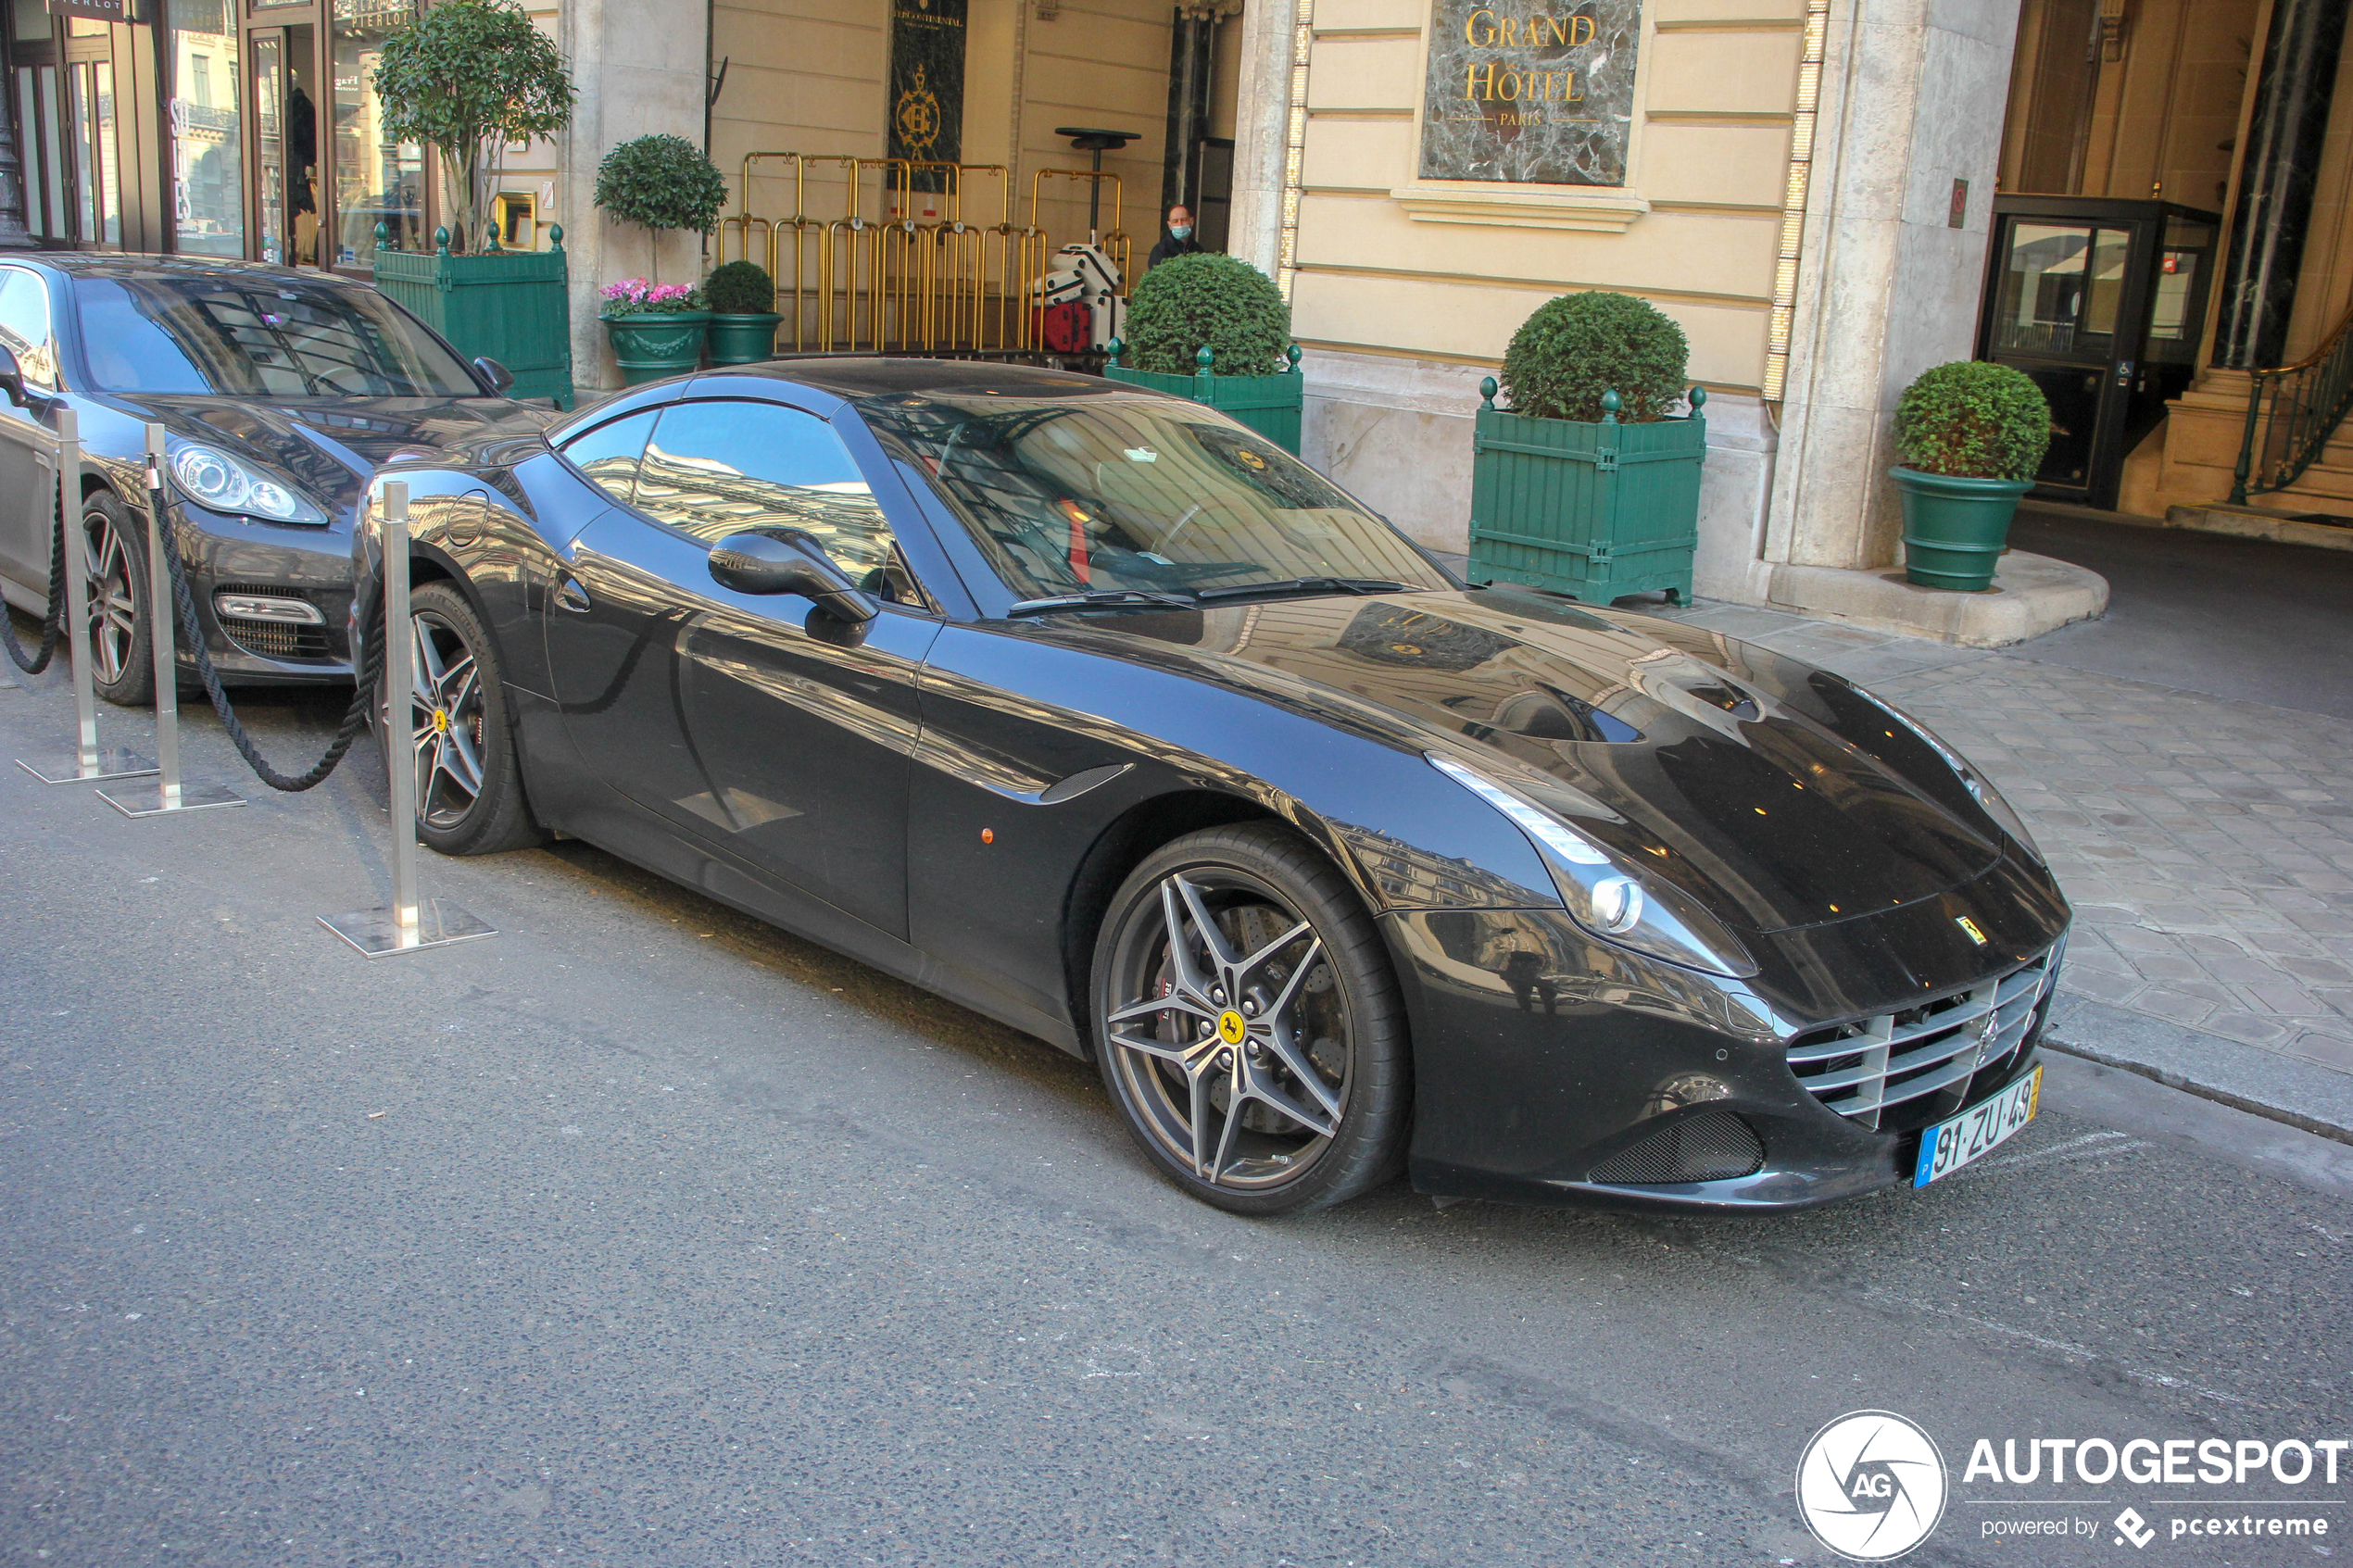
[[2292, 412]]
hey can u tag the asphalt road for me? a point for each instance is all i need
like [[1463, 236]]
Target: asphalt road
[[647, 1235]]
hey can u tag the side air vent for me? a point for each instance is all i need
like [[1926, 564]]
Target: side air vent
[[1712, 1147]]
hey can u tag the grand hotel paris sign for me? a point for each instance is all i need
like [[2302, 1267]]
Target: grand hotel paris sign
[[1539, 92]]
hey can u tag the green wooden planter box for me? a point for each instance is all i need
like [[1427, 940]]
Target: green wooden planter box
[[1269, 404], [512, 306], [743, 340], [652, 344], [1595, 511]]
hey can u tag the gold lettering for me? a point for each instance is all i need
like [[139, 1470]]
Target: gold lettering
[[1471, 86], [1471, 27], [1511, 32], [1580, 30], [1507, 85], [1557, 27], [1569, 80]]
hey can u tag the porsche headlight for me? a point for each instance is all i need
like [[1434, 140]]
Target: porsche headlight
[[1608, 897], [1983, 792], [219, 483]]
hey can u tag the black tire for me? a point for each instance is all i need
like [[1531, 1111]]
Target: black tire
[[1311, 992], [469, 795], [113, 562]]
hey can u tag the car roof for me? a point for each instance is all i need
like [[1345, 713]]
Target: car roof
[[859, 376], [123, 264]]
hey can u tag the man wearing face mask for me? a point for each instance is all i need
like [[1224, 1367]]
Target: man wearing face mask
[[1178, 241]]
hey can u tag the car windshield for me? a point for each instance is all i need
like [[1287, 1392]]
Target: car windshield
[[1118, 494], [261, 337]]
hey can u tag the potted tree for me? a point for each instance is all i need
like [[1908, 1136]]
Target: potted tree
[[1971, 436], [1587, 485], [659, 182], [467, 76], [1216, 329], [743, 318], [657, 330]]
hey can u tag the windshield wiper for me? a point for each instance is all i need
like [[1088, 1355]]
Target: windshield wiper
[[1099, 598], [1310, 586]]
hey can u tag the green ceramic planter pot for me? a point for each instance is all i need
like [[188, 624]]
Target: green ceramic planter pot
[[743, 340], [1954, 529], [653, 346]]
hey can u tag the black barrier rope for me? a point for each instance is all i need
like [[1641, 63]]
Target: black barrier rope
[[52, 624], [362, 699]]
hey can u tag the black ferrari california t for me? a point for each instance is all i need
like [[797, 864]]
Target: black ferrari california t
[[1089, 709], [280, 392]]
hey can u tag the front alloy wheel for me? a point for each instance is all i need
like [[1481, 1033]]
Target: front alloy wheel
[[115, 567], [1249, 1026], [469, 795]]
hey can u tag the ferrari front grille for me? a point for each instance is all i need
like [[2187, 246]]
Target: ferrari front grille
[[1902, 1069]]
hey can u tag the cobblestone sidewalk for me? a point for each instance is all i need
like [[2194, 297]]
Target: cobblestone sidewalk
[[2207, 844]]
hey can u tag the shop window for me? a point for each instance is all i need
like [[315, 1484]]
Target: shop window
[[98, 196], [207, 154], [377, 181]]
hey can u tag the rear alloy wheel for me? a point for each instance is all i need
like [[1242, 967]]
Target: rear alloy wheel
[[123, 668], [458, 744], [1248, 1025]]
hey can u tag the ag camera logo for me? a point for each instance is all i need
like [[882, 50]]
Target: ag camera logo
[[1870, 1485]]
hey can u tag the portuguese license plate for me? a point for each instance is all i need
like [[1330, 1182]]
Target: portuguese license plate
[[1977, 1131]]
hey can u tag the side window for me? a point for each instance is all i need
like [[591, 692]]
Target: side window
[[24, 324], [608, 453], [716, 469]]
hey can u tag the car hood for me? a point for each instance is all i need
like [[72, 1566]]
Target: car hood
[[1777, 794], [332, 446]]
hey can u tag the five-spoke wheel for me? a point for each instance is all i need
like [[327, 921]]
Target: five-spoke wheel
[[1247, 1023], [470, 797], [115, 567]]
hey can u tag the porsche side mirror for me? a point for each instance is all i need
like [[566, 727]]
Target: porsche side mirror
[[500, 379], [11, 376], [788, 561]]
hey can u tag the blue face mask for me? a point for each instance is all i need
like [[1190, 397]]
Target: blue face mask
[[1181, 230]]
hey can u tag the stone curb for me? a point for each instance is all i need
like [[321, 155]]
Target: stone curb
[[2300, 1093]]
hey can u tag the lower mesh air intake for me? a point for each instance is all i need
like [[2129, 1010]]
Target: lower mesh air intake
[[1712, 1147]]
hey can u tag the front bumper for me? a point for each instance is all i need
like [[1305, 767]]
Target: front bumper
[[1550, 1068], [236, 554]]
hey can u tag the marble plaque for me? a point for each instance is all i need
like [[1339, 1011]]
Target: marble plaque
[[1530, 90]]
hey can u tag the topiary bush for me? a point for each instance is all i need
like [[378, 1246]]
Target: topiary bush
[[661, 182], [1972, 420], [468, 77], [1207, 300], [740, 288], [1581, 346]]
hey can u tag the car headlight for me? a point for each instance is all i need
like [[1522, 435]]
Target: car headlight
[[214, 480], [1983, 792], [1609, 899]]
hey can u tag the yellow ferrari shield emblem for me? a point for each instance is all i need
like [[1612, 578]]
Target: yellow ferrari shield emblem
[[1231, 1027]]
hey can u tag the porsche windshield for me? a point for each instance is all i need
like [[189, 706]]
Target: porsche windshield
[[267, 336], [1115, 493]]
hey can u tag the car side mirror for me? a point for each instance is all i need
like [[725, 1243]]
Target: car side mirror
[[11, 376], [788, 561], [500, 378]]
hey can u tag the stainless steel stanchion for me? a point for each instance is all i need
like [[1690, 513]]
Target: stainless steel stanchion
[[173, 796], [412, 925], [90, 761]]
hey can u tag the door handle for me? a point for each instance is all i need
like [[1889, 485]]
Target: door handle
[[572, 596]]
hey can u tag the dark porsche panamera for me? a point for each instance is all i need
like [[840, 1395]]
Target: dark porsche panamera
[[1090, 710], [279, 391]]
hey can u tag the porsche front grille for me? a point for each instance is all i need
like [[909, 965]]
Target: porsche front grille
[[1902, 1069]]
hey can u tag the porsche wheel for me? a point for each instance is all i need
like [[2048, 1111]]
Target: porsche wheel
[[1248, 1025], [470, 797], [122, 669]]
